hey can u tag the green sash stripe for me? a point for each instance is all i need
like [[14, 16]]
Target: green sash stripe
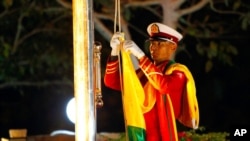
[[136, 133]]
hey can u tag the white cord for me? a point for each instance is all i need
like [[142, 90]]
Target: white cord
[[117, 16]]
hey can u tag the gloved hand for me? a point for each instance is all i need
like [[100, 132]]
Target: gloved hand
[[115, 43], [131, 47]]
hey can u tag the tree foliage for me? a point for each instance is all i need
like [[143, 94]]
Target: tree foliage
[[35, 43]]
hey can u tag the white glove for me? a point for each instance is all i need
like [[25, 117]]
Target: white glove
[[115, 43], [131, 47]]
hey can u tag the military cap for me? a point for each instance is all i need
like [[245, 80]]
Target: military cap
[[158, 31]]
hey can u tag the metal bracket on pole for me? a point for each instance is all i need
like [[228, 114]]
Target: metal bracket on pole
[[97, 76]]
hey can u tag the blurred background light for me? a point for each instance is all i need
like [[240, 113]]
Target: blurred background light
[[70, 110]]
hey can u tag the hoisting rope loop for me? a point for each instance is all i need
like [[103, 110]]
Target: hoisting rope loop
[[117, 18]]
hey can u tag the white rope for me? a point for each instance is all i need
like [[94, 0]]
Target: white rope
[[118, 19], [117, 16]]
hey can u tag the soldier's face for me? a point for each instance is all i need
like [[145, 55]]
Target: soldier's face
[[161, 50]]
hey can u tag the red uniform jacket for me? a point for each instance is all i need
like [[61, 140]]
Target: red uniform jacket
[[158, 120]]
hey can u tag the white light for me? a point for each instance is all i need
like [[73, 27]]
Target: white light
[[71, 110]]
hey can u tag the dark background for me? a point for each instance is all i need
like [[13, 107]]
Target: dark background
[[223, 92]]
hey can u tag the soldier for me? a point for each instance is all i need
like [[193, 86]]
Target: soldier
[[166, 84]]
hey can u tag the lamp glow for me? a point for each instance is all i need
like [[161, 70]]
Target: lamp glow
[[71, 110]]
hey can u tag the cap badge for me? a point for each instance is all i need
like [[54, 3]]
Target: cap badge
[[154, 29]]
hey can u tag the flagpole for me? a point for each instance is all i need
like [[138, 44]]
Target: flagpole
[[85, 125]]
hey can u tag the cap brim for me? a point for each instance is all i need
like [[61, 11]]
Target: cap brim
[[160, 39]]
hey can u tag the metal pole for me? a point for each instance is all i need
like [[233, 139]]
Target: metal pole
[[85, 126]]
